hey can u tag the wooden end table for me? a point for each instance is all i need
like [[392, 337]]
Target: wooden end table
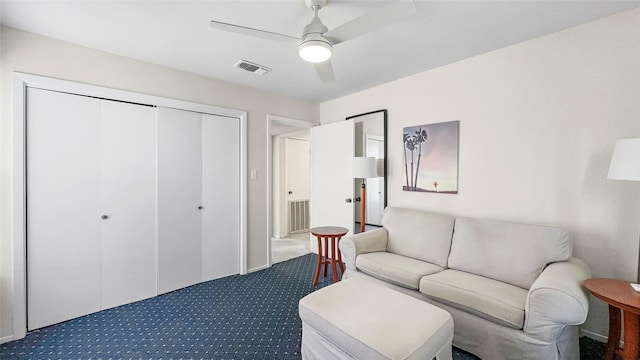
[[331, 236], [621, 298]]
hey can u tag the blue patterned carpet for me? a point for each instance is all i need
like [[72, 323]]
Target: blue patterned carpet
[[239, 317]]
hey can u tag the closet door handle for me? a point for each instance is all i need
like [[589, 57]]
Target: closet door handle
[[105, 217], [200, 208]]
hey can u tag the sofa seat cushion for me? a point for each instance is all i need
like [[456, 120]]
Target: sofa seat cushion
[[397, 269], [493, 300]]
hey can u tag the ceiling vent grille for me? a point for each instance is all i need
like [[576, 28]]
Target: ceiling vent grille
[[251, 67]]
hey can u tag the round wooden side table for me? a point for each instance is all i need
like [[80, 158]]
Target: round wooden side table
[[621, 299], [331, 236]]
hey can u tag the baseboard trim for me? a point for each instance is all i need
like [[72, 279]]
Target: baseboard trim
[[6, 339], [258, 268], [598, 337], [594, 336]]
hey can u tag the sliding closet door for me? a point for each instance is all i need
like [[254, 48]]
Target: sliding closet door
[[128, 202], [124, 202], [63, 202], [179, 199], [220, 195]]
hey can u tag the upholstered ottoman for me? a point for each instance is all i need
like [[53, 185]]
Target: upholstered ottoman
[[356, 318]]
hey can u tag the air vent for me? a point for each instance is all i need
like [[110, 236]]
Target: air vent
[[251, 67]]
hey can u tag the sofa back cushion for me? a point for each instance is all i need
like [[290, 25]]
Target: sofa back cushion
[[512, 253], [418, 234]]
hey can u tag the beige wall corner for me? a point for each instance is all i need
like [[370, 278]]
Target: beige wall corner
[[538, 122]]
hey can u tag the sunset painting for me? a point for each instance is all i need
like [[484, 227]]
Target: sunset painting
[[431, 158]]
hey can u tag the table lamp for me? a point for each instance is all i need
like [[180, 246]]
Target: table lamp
[[363, 168], [625, 164]]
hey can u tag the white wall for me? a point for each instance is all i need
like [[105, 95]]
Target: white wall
[[30, 53], [538, 121]]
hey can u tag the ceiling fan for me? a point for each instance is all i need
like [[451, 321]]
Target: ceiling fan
[[317, 41]]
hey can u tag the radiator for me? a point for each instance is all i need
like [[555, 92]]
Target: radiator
[[298, 216]]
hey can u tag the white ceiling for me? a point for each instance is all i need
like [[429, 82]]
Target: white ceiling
[[177, 34]]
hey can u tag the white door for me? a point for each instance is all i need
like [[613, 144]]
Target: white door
[[179, 199], [128, 201], [297, 169], [332, 150], [375, 186], [220, 196], [109, 221], [63, 202]]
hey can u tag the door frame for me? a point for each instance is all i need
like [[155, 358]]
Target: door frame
[[295, 123], [20, 83]]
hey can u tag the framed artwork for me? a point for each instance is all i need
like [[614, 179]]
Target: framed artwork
[[431, 158]]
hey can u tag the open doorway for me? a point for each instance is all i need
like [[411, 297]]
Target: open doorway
[[289, 200]]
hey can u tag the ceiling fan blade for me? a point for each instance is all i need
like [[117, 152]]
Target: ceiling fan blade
[[325, 71], [238, 29], [371, 21]]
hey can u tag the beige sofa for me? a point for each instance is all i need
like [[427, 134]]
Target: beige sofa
[[513, 290]]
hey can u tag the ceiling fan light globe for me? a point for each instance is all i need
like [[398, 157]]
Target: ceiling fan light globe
[[315, 51]]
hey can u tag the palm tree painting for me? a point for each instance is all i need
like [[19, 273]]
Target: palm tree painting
[[431, 157]]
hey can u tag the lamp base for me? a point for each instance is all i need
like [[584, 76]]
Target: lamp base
[[363, 204]]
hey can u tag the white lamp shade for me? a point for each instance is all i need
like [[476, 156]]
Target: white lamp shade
[[364, 167], [625, 162]]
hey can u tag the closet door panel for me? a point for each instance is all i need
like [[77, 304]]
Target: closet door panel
[[128, 142], [63, 202], [179, 196], [220, 194]]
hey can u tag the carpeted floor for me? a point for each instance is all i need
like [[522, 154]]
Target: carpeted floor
[[239, 317]]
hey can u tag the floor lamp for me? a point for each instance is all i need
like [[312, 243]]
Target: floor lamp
[[625, 164], [363, 168]]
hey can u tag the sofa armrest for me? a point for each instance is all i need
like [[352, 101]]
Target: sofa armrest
[[557, 299], [369, 241]]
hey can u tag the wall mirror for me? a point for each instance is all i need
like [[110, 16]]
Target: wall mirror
[[370, 132]]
